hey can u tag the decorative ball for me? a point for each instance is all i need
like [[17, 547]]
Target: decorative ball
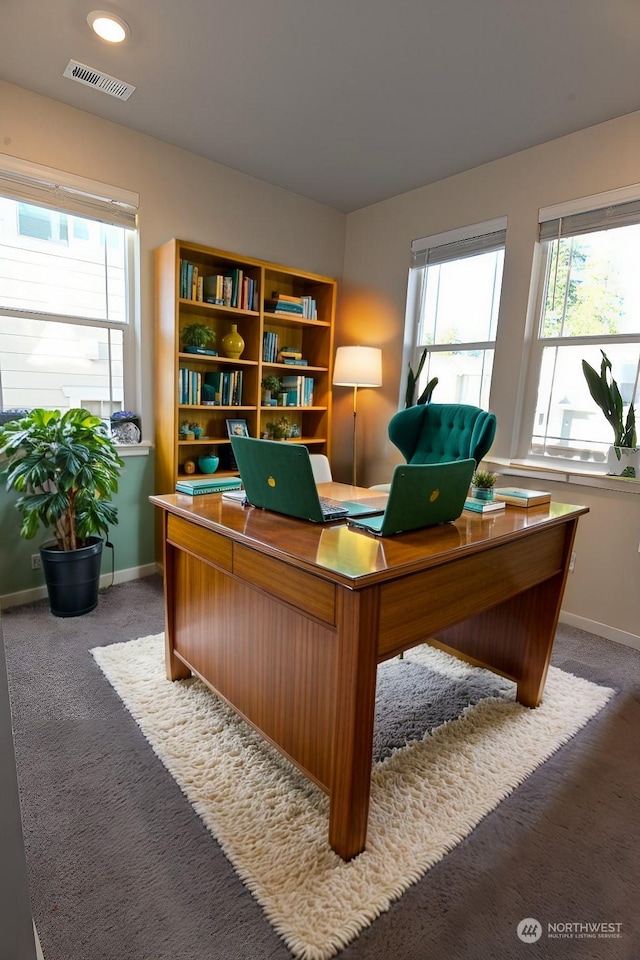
[[189, 466], [208, 464]]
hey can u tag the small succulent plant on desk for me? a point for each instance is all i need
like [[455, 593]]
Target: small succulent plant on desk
[[482, 483], [484, 479]]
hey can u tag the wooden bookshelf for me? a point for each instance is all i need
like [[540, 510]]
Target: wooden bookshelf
[[208, 395]]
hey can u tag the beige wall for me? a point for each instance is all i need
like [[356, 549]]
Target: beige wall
[[605, 587], [181, 195]]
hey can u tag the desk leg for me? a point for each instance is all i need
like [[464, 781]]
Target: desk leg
[[175, 668], [516, 637], [353, 744]]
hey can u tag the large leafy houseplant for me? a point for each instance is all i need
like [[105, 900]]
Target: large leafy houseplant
[[65, 467], [604, 390]]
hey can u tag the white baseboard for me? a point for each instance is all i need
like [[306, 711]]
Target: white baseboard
[[39, 593], [39, 953], [601, 630]]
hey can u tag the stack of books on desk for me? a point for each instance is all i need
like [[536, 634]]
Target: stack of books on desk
[[483, 506], [519, 497], [208, 485]]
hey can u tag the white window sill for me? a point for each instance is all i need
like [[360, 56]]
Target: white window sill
[[141, 449], [582, 478]]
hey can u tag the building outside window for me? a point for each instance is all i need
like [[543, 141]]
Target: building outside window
[[588, 302], [453, 301], [67, 331]]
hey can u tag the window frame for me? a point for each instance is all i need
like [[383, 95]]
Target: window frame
[[537, 343], [470, 241], [57, 191]]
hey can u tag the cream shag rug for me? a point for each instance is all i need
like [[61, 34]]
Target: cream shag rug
[[272, 822]]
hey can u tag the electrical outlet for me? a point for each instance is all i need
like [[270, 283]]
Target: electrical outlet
[[36, 561], [572, 562]]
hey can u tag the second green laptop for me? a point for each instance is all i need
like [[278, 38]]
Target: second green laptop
[[421, 495]]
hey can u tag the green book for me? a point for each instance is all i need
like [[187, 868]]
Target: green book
[[483, 506], [208, 485]]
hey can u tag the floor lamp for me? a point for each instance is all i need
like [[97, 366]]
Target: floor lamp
[[357, 367]]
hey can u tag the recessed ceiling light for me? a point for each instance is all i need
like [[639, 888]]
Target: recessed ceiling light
[[108, 26]]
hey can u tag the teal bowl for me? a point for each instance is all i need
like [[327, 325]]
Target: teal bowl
[[208, 464]]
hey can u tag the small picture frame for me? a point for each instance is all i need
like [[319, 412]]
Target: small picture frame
[[237, 428]]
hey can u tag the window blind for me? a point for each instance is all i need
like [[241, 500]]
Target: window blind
[[491, 236], [66, 193], [590, 221]]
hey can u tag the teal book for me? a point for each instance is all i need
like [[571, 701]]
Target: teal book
[[519, 497], [483, 506], [208, 485]]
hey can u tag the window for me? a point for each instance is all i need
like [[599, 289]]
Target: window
[[67, 336], [588, 302], [452, 311]]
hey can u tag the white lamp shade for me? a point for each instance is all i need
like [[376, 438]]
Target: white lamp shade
[[358, 367]]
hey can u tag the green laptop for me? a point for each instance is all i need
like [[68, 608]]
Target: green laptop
[[278, 476], [422, 495]]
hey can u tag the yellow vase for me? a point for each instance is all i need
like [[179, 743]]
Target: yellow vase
[[232, 343]]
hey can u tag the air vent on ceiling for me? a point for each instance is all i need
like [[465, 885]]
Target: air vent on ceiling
[[98, 80]]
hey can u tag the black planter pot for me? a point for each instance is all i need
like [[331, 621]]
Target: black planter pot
[[72, 577]]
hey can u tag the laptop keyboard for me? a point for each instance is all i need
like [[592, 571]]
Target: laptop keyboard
[[332, 509]]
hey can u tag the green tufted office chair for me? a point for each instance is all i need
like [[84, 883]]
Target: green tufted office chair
[[438, 432]]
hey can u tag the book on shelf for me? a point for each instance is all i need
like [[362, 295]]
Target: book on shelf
[[299, 390], [284, 307], [285, 297], [208, 485], [519, 497], [475, 505], [223, 388], [213, 289], [269, 346]]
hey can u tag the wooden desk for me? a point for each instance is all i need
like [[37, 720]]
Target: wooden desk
[[288, 620]]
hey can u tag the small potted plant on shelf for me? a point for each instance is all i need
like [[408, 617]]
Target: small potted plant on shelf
[[624, 456], [482, 484], [270, 386], [278, 429], [66, 468], [196, 338]]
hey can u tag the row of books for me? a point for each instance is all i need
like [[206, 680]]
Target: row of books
[[304, 308], [218, 388], [231, 289], [273, 353], [299, 391], [270, 346], [516, 496]]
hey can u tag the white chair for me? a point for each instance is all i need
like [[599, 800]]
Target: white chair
[[321, 468]]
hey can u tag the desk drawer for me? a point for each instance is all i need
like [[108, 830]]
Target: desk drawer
[[204, 544], [310, 594]]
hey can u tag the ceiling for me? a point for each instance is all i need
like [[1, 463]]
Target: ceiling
[[346, 102]]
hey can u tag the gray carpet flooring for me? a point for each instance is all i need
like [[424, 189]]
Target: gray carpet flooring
[[121, 868]]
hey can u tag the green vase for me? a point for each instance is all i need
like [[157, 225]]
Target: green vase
[[232, 343]]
